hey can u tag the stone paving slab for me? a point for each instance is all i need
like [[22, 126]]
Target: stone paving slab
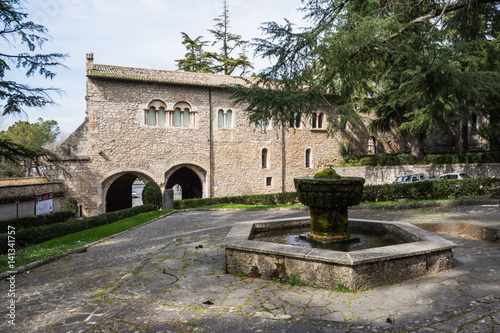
[[168, 276]]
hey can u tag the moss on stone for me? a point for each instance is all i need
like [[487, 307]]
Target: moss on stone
[[327, 174]]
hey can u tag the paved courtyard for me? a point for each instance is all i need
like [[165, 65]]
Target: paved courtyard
[[168, 276]]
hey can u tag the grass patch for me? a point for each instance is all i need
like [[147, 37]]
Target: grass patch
[[72, 241]]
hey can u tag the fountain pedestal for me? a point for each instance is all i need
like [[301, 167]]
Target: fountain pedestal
[[328, 201]]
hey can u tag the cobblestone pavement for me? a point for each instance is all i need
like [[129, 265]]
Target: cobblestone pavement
[[168, 276]]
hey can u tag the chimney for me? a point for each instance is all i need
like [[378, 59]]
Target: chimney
[[90, 61]]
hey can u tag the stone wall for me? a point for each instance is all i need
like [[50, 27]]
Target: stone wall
[[387, 174], [23, 191], [115, 140]]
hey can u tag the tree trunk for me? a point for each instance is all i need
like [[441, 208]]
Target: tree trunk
[[463, 138], [417, 146]]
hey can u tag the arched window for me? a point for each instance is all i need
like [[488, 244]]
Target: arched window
[[155, 113], [264, 158], [220, 118], [229, 119], [317, 120], [162, 116], [370, 149], [225, 119], [152, 116], [177, 117], [263, 124], [186, 118], [183, 115], [295, 120], [473, 123], [308, 158]]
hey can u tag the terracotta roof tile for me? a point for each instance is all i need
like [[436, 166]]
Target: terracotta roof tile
[[156, 75]]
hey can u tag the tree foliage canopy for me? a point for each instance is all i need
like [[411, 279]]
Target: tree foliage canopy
[[223, 61], [21, 39], [415, 64], [23, 144]]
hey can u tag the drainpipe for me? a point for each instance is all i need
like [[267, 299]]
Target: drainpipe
[[211, 139]]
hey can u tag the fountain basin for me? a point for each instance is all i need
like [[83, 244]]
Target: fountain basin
[[425, 253]]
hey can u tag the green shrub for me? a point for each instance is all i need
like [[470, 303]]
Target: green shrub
[[151, 195], [71, 205], [34, 235], [443, 189], [368, 161], [35, 220]]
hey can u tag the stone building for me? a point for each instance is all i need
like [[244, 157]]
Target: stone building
[[180, 129]]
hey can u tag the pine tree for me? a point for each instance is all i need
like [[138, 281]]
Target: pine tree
[[221, 61], [395, 59]]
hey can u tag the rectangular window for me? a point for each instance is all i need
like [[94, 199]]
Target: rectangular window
[[269, 181]]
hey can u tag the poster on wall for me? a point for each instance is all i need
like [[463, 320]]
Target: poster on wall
[[44, 204]]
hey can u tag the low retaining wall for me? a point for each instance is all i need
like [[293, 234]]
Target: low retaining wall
[[377, 175]]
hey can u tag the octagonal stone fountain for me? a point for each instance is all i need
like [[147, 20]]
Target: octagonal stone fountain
[[249, 250]]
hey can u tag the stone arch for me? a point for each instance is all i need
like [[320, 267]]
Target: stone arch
[[191, 178], [117, 189]]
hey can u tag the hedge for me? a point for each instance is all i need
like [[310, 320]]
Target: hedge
[[35, 220], [29, 236], [442, 189], [430, 159], [438, 189], [256, 199]]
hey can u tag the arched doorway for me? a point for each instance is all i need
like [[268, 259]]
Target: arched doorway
[[188, 181], [119, 191]]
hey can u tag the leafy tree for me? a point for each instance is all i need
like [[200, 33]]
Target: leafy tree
[[18, 33], [27, 141], [400, 60], [151, 195], [195, 59], [220, 61]]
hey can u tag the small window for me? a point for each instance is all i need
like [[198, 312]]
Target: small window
[[186, 120], [220, 118], [177, 117], [162, 116], [473, 123], [225, 119], [317, 120], [308, 158], [370, 149], [295, 120], [152, 116], [229, 119], [264, 158], [263, 124], [269, 181]]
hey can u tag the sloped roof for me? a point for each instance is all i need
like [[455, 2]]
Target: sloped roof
[[157, 75]]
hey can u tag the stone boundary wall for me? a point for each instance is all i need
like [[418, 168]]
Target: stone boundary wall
[[22, 181], [387, 174], [24, 191]]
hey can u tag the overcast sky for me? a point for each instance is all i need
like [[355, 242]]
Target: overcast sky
[[134, 33]]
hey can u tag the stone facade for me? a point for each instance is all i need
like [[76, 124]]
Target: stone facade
[[205, 153]]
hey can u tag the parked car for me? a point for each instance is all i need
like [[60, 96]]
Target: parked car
[[454, 175], [416, 177]]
